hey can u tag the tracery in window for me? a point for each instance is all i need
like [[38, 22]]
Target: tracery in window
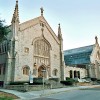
[[41, 48], [2, 68], [41, 52], [3, 47]]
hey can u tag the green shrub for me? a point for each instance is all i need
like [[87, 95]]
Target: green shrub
[[5, 98], [67, 78], [98, 81], [68, 82], [37, 81], [54, 79], [94, 79], [18, 83]]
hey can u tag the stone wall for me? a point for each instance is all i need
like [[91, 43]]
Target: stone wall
[[27, 87], [84, 84]]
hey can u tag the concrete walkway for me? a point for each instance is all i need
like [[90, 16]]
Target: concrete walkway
[[35, 94]]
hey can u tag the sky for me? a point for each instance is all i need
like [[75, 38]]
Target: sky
[[79, 19]]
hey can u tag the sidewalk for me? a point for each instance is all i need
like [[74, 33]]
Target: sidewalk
[[35, 94]]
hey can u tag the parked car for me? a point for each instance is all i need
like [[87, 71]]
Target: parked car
[[82, 80], [77, 79], [86, 79]]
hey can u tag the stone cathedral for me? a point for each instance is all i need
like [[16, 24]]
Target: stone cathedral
[[30, 48]]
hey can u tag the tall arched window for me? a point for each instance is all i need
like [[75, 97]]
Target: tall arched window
[[41, 48], [41, 51], [55, 71], [26, 70]]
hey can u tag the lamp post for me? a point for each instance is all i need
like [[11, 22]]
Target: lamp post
[[43, 79], [30, 78]]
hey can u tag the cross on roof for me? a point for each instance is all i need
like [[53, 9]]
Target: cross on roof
[[96, 39], [41, 11]]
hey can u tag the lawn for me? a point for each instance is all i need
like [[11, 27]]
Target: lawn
[[7, 96]]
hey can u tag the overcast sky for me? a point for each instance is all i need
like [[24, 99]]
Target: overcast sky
[[79, 19]]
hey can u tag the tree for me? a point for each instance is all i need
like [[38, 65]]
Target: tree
[[3, 30]]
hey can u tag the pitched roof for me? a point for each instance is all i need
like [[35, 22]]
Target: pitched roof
[[78, 55], [37, 20]]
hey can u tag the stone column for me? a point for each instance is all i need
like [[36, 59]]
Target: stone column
[[47, 76], [90, 70], [96, 69], [94, 73], [48, 72], [73, 74], [8, 72]]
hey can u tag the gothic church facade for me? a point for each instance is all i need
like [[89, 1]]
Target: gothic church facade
[[30, 48]]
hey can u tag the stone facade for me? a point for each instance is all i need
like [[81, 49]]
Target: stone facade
[[71, 71], [32, 48], [84, 61], [94, 67]]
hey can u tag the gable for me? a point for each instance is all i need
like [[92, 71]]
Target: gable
[[36, 21]]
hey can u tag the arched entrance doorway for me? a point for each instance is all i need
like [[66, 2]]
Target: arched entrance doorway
[[41, 72]]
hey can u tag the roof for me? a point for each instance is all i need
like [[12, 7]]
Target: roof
[[38, 20], [78, 56]]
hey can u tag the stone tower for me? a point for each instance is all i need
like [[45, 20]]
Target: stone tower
[[97, 61], [13, 44], [61, 53]]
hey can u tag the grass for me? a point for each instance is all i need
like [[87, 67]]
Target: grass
[[7, 96]]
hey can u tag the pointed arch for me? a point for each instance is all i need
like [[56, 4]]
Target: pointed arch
[[41, 49], [41, 71], [41, 38], [55, 72], [25, 69]]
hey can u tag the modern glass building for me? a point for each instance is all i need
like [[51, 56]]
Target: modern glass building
[[79, 56]]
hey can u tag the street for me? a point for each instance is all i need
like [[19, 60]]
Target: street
[[83, 94]]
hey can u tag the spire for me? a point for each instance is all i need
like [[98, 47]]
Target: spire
[[16, 13], [96, 40], [59, 29], [41, 11], [59, 32]]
